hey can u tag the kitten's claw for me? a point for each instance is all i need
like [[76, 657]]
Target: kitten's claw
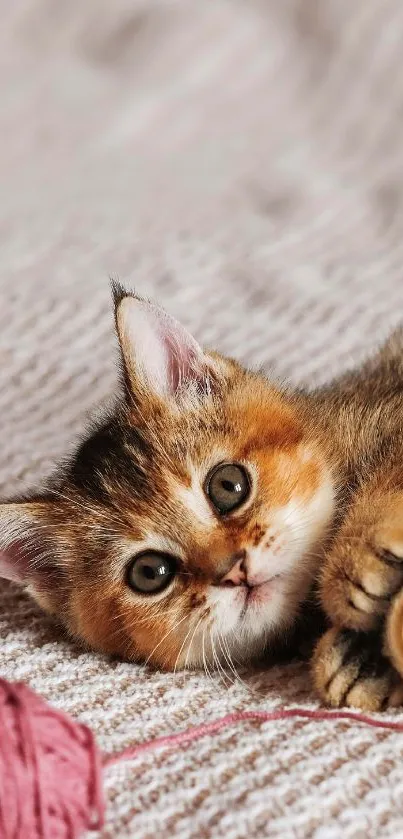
[[349, 669]]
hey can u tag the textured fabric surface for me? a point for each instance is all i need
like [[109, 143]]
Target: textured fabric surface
[[242, 162]]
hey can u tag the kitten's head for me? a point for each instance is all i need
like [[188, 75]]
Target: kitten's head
[[184, 529]]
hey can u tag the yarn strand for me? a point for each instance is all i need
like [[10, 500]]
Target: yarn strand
[[212, 728]]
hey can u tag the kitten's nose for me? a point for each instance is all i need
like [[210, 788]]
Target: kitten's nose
[[236, 576]]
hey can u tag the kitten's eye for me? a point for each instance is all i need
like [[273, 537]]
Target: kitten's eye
[[228, 486], [150, 572]]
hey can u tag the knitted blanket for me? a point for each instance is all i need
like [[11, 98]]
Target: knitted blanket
[[242, 162]]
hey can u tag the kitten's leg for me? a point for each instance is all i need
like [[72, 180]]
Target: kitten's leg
[[364, 567], [350, 669], [362, 572]]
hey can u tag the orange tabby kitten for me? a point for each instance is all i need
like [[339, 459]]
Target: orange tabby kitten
[[190, 526]]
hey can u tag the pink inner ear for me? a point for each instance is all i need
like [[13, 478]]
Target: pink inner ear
[[184, 359], [157, 350], [14, 564], [183, 364]]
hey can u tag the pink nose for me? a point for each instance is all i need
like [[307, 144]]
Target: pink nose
[[237, 575]]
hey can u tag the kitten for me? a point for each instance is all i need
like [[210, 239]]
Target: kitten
[[189, 527]]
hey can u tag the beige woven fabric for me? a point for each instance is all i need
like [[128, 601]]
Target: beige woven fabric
[[242, 161]]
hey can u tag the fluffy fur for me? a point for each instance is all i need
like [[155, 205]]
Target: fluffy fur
[[325, 504]]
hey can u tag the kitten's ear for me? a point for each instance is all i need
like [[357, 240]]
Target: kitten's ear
[[159, 355], [24, 547]]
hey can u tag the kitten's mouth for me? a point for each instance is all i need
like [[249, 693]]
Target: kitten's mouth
[[260, 594]]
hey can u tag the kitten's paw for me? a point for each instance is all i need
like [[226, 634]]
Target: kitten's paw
[[349, 669], [362, 576]]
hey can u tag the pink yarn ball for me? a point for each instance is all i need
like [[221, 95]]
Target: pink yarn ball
[[50, 770]]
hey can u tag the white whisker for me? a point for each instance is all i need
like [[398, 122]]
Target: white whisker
[[172, 629], [191, 641]]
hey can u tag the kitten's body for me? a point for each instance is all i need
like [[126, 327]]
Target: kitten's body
[[361, 413], [320, 483]]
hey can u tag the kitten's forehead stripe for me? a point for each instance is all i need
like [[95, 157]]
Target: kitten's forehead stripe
[[115, 457]]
